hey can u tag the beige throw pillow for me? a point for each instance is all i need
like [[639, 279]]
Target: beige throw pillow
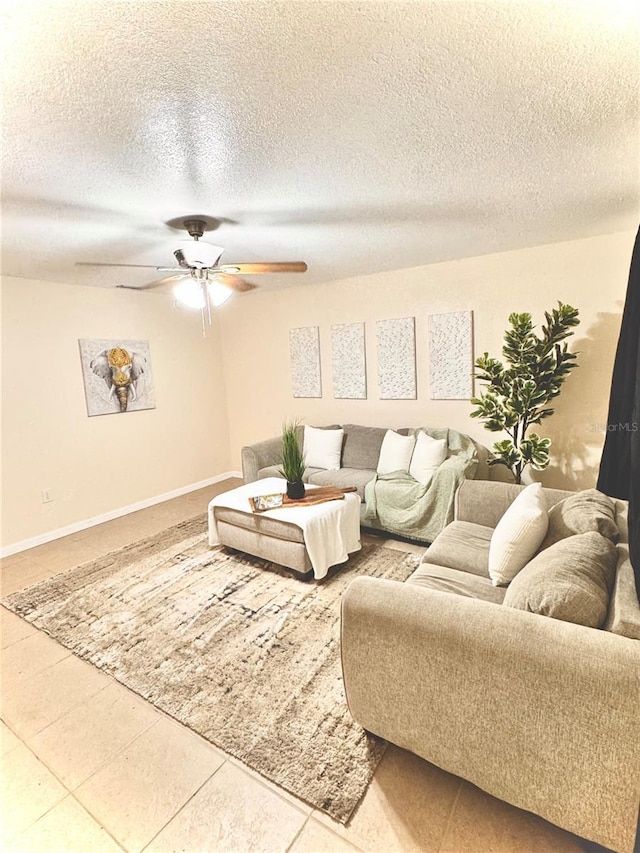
[[518, 535], [395, 453], [571, 581], [429, 453], [322, 448], [584, 512]]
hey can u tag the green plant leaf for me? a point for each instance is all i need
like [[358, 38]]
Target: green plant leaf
[[507, 452], [518, 391], [535, 451], [292, 463]]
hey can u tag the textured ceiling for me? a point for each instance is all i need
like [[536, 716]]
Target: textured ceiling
[[357, 136]]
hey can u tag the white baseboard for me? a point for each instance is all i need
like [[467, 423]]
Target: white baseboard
[[16, 547]]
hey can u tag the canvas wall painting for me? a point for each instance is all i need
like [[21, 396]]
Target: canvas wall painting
[[304, 350], [117, 376], [396, 347], [348, 361], [451, 355]]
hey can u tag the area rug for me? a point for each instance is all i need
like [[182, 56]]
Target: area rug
[[233, 647]]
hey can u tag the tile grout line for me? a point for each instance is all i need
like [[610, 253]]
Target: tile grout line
[[298, 834], [68, 794], [227, 757], [101, 766], [97, 821], [14, 733], [42, 572], [71, 792], [342, 838], [28, 637], [22, 736], [186, 802], [266, 783]]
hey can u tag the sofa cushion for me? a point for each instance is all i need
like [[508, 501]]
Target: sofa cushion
[[428, 454], [584, 512], [518, 534], [260, 524], [344, 477], [623, 616], [446, 579], [624, 608], [274, 471], [462, 545], [395, 453], [570, 581], [322, 448], [361, 447], [269, 471]]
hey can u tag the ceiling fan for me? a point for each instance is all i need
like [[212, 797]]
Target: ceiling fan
[[201, 280]]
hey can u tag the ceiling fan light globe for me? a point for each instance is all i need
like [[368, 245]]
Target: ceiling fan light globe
[[218, 293], [199, 254], [190, 294]]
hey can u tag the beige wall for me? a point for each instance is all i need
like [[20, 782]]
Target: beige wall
[[590, 274], [100, 464]]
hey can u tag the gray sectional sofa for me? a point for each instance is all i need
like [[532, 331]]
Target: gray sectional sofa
[[539, 712], [360, 453]]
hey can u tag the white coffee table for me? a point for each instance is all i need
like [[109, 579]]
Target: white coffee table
[[302, 538]]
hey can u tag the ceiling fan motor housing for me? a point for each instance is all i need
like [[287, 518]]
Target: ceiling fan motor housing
[[195, 227], [195, 253]]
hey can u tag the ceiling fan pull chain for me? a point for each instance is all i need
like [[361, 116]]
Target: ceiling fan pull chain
[[207, 299]]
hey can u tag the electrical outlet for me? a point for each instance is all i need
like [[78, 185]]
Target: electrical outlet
[[47, 496]]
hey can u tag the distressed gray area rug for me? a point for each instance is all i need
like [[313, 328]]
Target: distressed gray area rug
[[231, 646]]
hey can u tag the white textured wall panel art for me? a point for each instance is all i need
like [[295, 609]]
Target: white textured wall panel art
[[348, 362], [396, 340], [451, 355], [304, 349]]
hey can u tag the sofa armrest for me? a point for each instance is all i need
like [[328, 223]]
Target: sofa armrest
[[260, 455], [484, 501], [540, 713]]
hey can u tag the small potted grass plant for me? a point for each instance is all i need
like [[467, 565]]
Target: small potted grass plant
[[292, 464]]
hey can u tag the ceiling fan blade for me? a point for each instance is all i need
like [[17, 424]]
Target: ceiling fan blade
[[255, 269], [137, 266], [170, 279], [234, 282]]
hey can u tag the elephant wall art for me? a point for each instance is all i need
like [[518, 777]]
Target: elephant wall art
[[117, 376]]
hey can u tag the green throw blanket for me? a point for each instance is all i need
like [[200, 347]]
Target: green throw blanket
[[399, 503]]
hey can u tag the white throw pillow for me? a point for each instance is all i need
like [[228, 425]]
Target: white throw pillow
[[518, 535], [395, 453], [428, 455], [322, 448]]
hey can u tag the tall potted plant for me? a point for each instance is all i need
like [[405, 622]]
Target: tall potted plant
[[519, 394], [292, 465]]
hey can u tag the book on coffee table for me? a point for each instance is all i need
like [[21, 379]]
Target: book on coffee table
[[261, 503]]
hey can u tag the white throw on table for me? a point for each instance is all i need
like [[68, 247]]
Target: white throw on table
[[331, 530]]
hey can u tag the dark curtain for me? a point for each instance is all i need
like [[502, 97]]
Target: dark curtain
[[620, 465]]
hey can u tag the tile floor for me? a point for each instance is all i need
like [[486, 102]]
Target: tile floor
[[89, 767]]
